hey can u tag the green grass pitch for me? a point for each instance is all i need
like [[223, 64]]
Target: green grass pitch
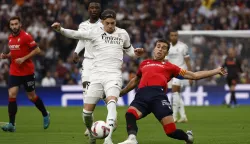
[[210, 125]]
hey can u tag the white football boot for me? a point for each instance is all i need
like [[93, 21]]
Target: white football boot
[[131, 140]]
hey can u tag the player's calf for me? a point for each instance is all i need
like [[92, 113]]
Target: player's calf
[[171, 131]]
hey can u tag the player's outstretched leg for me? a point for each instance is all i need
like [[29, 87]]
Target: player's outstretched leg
[[111, 119], [171, 131], [40, 106], [88, 120], [132, 129]]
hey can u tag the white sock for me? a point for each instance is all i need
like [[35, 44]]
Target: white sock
[[182, 109], [87, 119], [175, 105], [112, 115]]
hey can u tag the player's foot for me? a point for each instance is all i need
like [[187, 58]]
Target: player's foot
[[46, 121], [131, 140], [86, 133], [92, 140], [108, 140], [183, 120], [190, 137], [9, 127]]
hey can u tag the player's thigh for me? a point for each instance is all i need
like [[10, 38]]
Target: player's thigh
[[29, 83], [14, 81], [140, 104], [95, 92], [113, 87], [161, 107]]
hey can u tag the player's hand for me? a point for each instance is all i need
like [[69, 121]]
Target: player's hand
[[122, 93], [56, 26], [221, 71], [19, 60], [139, 51], [75, 58], [4, 56]]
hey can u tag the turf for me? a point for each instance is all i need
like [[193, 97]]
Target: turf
[[210, 125]]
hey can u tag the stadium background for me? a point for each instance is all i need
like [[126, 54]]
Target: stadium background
[[145, 21]]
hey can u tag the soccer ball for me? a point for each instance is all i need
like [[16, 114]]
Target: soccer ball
[[100, 129]]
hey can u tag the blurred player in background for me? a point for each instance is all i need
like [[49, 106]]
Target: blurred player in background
[[94, 9], [233, 66], [22, 49], [178, 55], [109, 44], [152, 77]]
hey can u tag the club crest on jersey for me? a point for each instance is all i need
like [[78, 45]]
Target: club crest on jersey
[[112, 39]]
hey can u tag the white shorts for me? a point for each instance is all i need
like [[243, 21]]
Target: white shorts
[[178, 82], [86, 69], [109, 86]]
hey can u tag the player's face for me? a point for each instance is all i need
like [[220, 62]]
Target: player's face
[[231, 53], [94, 10], [160, 51], [15, 26], [109, 25], [173, 37]]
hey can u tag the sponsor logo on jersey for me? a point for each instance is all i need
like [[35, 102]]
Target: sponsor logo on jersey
[[14, 47], [112, 39]]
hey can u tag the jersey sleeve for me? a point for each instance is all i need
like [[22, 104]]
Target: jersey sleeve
[[30, 41], [127, 43], [178, 72], [185, 51], [89, 34]]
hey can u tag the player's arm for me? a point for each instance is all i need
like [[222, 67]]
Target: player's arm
[[129, 49], [5, 56], [79, 47], [201, 74], [71, 33], [131, 85]]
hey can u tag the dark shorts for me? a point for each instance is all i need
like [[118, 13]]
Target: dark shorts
[[28, 82], [232, 81], [152, 99]]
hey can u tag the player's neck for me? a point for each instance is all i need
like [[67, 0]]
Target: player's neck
[[174, 43], [160, 60], [93, 20]]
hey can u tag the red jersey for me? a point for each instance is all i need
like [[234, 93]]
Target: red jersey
[[157, 73], [20, 46]]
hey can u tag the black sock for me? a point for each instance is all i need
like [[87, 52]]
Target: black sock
[[12, 109], [178, 134], [39, 104], [131, 124], [233, 98]]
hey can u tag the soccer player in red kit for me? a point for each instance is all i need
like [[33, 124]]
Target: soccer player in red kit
[[22, 49], [152, 77]]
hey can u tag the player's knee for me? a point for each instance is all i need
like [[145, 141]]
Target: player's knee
[[87, 113], [12, 93], [132, 112], [169, 128], [31, 95]]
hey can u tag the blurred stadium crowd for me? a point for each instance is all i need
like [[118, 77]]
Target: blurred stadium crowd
[[145, 21]]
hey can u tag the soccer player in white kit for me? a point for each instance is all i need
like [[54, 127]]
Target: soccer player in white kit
[[94, 9], [109, 44], [178, 55]]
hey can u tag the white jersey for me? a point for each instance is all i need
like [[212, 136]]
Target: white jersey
[[107, 48], [85, 43], [177, 54]]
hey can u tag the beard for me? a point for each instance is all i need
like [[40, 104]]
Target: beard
[[15, 31]]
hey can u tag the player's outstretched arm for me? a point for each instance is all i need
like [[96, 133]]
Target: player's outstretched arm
[[204, 74], [131, 85], [31, 54], [70, 33]]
